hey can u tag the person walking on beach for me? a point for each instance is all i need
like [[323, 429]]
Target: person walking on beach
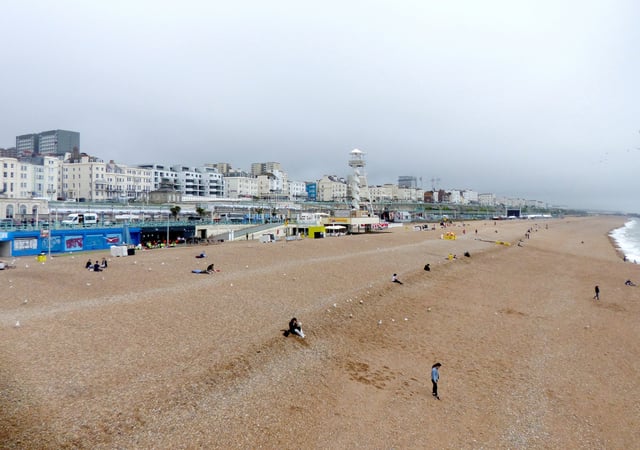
[[597, 296], [435, 376], [394, 278]]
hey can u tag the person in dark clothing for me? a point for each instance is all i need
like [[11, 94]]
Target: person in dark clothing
[[88, 265], [427, 268], [435, 377], [96, 267], [597, 296], [208, 271], [295, 327]]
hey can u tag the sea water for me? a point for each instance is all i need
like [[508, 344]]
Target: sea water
[[628, 240]]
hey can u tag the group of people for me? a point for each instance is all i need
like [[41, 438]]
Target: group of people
[[97, 266], [597, 289]]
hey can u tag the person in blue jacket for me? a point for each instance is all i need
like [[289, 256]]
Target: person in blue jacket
[[435, 376]]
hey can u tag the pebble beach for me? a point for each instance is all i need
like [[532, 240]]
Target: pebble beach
[[146, 354]]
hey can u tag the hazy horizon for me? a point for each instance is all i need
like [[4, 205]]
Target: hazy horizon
[[536, 100]]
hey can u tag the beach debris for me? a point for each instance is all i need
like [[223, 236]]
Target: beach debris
[[335, 305], [231, 284], [247, 266], [25, 301], [406, 318], [350, 315], [135, 262], [88, 284], [26, 266], [393, 320], [17, 325], [379, 322], [149, 269], [361, 302], [429, 309]]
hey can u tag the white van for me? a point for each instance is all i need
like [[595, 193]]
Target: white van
[[81, 219]]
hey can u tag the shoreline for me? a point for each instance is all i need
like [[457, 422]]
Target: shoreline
[[148, 355], [627, 254]]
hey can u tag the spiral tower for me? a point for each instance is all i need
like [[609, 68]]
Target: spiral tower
[[357, 179]]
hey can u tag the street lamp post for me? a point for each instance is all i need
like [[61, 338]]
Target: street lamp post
[[168, 216]]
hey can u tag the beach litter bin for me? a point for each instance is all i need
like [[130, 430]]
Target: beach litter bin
[[41, 258], [131, 251]]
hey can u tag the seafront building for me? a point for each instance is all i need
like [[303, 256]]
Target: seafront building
[[50, 166], [53, 142], [81, 177]]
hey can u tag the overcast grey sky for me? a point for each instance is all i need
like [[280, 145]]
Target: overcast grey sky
[[534, 99]]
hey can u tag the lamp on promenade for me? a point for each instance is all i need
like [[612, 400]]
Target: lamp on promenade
[[168, 217]]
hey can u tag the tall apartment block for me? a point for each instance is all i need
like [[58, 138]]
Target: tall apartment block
[[264, 168], [407, 182], [53, 142]]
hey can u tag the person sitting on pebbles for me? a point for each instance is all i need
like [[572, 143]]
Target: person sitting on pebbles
[[295, 327]]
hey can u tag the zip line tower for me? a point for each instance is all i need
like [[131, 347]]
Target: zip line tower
[[358, 180]]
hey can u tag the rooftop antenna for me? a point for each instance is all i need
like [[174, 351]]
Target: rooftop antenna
[[434, 183]]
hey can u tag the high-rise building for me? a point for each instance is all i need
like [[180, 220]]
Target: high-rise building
[[264, 168], [53, 142], [27, 144], [405, 181]]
